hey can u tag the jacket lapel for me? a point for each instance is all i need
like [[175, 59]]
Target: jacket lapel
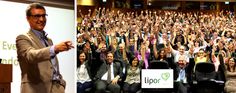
[[50, 41], [34, 38], [114, 68], [37, 41]]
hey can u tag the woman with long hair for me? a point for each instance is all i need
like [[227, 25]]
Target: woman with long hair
[[161, 55], [230, 74], [133, 73], [84, 76]]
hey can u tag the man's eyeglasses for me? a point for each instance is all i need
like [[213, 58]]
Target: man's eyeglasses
[[38, 16]]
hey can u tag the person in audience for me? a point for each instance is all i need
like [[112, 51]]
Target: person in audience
[[217, 58], [160, 55], [122, 56], [108, 75], [144, 52], [182, 74], [230, 76], [231, 50], [101, 52], [201, 56], [132, 82], [181, 52], [121, 53], [129, 43], [178, 36], [84, 74], [199, 44]]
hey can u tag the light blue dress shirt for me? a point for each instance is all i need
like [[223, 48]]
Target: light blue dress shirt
[[43, 38]]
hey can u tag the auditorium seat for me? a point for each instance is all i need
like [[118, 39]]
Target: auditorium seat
[[156, 64], [205, 79]]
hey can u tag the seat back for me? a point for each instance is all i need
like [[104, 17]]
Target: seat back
[[155, 64], [206, 79], [205, 71]]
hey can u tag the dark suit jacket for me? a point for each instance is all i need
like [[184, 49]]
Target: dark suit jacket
[[188, 69], [103, 69]]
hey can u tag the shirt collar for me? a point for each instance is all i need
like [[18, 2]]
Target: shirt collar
[[110, 64], [40, 34]]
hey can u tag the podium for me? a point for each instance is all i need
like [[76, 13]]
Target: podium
[[5, 78]]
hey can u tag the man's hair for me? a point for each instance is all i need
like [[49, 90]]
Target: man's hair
[[33, 6], [110, 52]]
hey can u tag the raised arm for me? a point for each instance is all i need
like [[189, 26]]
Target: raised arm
[[135, 42], [155, 49], [173, 39], [127, 39], [185, 39], [81, 14]]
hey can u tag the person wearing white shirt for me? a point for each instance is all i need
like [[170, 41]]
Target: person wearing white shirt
[[108, 75], [181, 52], [84, 76]]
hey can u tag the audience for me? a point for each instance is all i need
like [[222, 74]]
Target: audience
[[157, 35]]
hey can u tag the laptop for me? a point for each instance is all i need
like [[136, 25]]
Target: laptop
[[0, 60]]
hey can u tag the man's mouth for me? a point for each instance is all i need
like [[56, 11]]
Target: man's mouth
[[42, 24]]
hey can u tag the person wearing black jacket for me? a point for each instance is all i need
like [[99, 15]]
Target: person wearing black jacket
[[108, 75], [182, 73], [84, 74]]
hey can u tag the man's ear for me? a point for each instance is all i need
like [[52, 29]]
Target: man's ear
[[27, 17]]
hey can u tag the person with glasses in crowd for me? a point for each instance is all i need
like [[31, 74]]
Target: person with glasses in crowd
[[201, 56], [37, 55]]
